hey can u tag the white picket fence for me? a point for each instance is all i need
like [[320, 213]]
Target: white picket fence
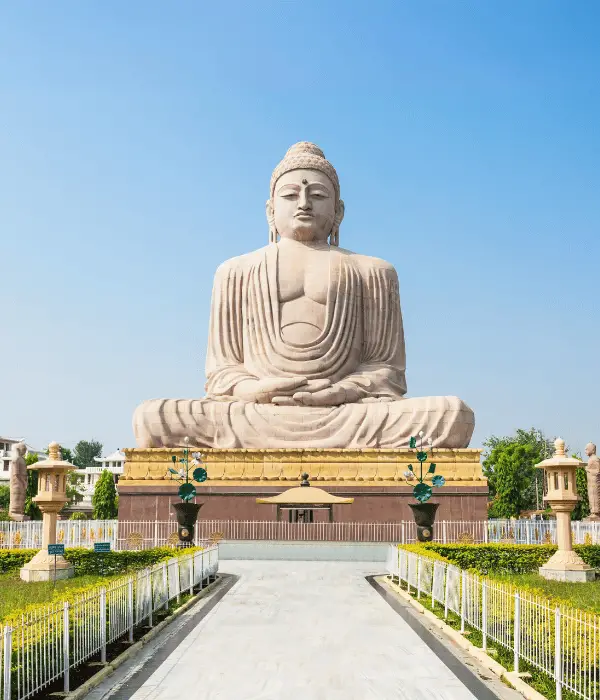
[[48, 642], [561, 641], [129, 534]]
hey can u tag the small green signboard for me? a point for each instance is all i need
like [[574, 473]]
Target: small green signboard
[[101, 546], [56, 549]]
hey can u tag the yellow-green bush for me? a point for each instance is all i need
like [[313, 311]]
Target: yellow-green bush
[[105, 574], [86, 561], [502, 558]]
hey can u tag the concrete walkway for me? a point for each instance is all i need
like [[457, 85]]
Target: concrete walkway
[[301, 630]]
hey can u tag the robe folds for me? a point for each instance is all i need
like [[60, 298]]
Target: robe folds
[[361, 346]]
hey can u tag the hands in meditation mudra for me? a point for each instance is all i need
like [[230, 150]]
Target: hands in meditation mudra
[[306, 345]]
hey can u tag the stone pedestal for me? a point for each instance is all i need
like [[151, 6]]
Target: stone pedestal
[[567, 566], [46, 567], [237, 477]]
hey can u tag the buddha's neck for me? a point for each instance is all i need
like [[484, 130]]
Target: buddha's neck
[[293, 243]]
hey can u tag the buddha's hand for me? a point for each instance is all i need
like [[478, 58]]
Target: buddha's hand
[[310, 387], [265, 390], [335, 395]]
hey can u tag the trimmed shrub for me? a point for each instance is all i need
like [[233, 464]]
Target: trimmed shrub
[[86, 561], [11, 559], [502, 558]]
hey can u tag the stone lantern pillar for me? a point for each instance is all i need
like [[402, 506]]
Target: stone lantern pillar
[[565, 564], [51, 497]]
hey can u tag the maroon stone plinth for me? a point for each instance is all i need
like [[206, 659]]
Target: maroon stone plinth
[[372, 504]]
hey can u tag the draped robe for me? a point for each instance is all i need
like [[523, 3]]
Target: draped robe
[[360, 347]]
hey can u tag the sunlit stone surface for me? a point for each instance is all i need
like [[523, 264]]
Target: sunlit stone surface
[[306, 344]]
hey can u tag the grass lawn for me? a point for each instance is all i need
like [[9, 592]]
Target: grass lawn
[[585, 596], [15, 594]]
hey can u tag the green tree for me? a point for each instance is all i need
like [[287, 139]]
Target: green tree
[[32, 508], [84, 453], [513, 465], [4, 497], [104, 500], [67, 454], [532, 480], [78, 515]]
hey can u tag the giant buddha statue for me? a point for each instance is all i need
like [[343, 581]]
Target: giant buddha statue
[[306, 345]]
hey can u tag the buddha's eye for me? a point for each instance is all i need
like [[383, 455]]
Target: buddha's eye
[[288, 195]]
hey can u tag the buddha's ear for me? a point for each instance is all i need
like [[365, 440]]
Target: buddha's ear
[[271, 221], [334, 238]]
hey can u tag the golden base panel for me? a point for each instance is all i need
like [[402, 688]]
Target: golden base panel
[[237, 467]]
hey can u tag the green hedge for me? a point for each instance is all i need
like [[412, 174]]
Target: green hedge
[[11, 559], [86, 561], [506, 558]]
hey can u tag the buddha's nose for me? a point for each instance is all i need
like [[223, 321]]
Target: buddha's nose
[[304, 201]]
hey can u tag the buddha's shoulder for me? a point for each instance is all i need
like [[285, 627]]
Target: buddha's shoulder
[[242, 262], [369, 263]]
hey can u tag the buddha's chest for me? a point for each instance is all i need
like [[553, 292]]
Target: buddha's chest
[[303, 283], [309, 275]]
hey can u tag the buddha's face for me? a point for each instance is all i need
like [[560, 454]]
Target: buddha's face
[[304, 205]]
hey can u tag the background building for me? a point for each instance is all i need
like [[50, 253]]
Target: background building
[[113, 462]]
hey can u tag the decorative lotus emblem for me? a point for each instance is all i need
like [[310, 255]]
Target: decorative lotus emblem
[[187, 490], [423, 491]]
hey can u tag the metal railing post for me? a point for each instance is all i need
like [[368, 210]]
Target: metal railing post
[[418, 577], [165, 584], [517, 631], [484, 618], [7, 661], [446, 595], [103, 625], [557, 655], [66, 652], [463, 599], [192, 564], [130, 608]]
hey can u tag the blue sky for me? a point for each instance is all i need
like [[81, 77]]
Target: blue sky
[[136, 145]]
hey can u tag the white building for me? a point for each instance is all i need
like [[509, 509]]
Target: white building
[[6, 448], [114, 463]]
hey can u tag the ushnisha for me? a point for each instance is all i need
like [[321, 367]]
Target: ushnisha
[[306, 344]]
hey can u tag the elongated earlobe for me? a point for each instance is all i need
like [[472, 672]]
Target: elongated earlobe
[[271, 221], [334, 237]]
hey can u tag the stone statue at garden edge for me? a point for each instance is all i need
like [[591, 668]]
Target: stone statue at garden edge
[[18, 482]]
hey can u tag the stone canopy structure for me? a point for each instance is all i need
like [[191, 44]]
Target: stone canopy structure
[[306, 344]]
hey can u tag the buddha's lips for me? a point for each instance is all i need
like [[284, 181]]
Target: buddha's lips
[[303, 215]]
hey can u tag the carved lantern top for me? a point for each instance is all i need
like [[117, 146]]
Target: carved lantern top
[[52, 476], [560, 470]]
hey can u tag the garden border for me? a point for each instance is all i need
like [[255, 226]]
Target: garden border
[[480, 656], [220, 587]]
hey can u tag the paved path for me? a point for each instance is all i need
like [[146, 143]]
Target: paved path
[[302, 630]]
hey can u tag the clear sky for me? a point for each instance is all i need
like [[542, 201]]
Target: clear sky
[[137, 140]]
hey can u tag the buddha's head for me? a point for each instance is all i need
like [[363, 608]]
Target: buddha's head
[[305, 199]]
